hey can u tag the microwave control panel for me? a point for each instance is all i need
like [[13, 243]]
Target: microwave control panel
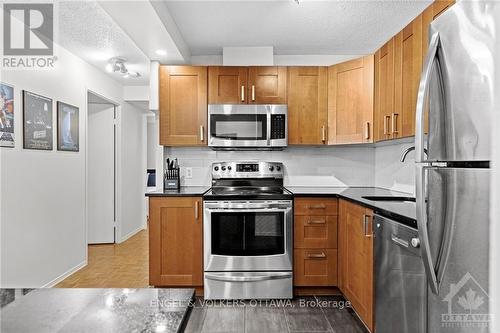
[[278, 126]]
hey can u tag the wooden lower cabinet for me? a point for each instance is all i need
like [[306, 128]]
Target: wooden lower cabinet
[[175, 241], [356, 258], [315, 242]]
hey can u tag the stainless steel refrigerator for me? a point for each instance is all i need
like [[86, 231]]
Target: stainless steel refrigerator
[[453, 143]]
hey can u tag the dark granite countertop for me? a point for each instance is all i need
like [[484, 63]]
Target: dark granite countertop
[[184, 191], [97, 310], [395, 209]]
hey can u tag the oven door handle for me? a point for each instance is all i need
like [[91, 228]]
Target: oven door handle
[[239, 278]]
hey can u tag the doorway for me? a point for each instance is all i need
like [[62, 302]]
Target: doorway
[[101, 170]]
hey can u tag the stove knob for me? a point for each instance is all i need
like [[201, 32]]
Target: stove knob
[[223, 168], [415, 242], [278, 168], [216, 168], [229, 168], [271, 168]]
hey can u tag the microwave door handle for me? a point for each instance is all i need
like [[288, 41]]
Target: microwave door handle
[[268, 127]]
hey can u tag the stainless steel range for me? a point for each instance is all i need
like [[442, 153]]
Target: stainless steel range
[[248, 228]]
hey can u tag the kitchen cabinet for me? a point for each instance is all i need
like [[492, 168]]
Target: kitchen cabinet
[[430, 14], [307, 105], [315, 242], [227, 85], [356, 258], [350, 101], [408, 67], [384, 91], [183, 105], [247, 85], [175, 241]]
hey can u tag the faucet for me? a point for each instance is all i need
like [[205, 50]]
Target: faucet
[[407, 150]]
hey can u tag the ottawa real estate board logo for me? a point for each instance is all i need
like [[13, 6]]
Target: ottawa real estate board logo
[[467, 305], [28, 36]]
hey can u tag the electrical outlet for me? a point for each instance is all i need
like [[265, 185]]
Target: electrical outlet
[[189, 173]]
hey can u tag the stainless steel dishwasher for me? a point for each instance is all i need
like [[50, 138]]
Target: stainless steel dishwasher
[[400, 282]]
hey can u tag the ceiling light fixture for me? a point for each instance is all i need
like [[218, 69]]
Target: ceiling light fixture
[[297, 2], [117, 65], [161, 52]]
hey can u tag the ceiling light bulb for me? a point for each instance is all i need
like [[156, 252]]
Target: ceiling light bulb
[[126, 76], [109, 68], [161, 52]]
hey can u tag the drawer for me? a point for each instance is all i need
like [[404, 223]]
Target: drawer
[[315, 232], [315, 206], [315, 267]]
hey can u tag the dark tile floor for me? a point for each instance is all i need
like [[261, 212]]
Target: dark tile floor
[[303, 314]]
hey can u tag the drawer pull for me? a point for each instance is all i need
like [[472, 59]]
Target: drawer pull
[[316, 255], [316, 222], [322, 206]]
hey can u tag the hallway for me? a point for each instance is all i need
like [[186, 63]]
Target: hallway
[[122, 265]]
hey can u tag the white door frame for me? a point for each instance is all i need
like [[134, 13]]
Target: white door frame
[[117, 158]]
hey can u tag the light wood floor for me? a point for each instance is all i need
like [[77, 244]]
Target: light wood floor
[[122, 265]]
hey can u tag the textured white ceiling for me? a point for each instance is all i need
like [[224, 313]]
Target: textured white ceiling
[[88, 31], [312, 27]]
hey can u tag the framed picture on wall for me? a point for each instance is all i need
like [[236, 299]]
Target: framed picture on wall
[[37, 122], [67, 127], [6, 115]]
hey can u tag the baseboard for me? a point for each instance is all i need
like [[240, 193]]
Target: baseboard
[[132, 233], [65, 275]]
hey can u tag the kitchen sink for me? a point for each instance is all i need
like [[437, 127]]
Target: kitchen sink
[[389, 198]]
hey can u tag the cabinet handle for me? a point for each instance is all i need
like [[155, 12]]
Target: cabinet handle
[[386, 124], [317, 206], [316, 255], [243, 93], [323, 133], [196, 210], [365, 226], [202, 133], [316, 222], [394, 125], [253, 93], [367, 130]]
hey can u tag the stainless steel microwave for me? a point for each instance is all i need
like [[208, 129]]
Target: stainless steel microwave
[[247, 127]]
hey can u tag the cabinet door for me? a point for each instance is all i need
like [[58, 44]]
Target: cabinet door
[[227, 85], [356, 258], [175, 241], [408, 67], [307, 105], [267, 85], [315, 267], [384, 90], [350, 101], [183, 105]]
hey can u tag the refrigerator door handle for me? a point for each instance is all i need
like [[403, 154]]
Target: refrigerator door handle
[[423, 91], [423, 233]]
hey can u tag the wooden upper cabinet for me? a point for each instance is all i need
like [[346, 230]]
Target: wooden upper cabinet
[[356, 258], [307, 105], [384, 90], [267, 85], [227, 85], [350, 101], [183, 105], [408, 68], [175, 241]]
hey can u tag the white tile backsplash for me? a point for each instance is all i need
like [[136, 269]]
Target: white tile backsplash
[[364, 165]]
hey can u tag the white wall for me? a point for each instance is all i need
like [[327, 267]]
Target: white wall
[[43, 192], [132, 171], [390, 173], [305, 166], [152, 141]]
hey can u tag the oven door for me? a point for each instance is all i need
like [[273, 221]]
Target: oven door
[[238, 126], [248, 236]]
